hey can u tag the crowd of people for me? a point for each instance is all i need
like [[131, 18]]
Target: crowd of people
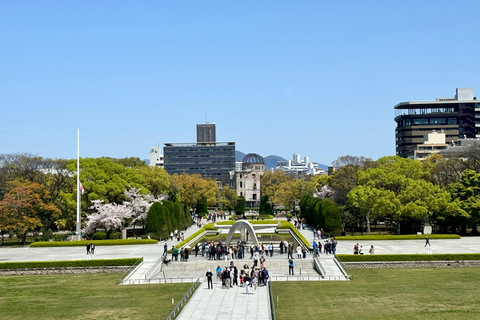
[[329, 246], [229, 277]]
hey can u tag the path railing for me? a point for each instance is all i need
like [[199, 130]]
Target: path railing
[[317, 265], [308, 278], [153, 269], [159, 280], [178, 308], [273, 315], [129, 270], [341, 267]]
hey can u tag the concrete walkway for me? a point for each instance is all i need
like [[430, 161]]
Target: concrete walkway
[[233, 303], [227, 304]]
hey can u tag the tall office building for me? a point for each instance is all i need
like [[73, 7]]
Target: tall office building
[[206, 133], [457, 117], [207, 157]]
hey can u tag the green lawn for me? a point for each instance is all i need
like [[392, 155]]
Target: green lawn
[[384, 294], [372, 294], [85, 297]]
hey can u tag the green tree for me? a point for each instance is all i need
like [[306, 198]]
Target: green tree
[[468, 192], [103, 179], [228, 199], [191, 187], [179, 215], [156, 221], [155, 179], [342, 181], [202, 207], [240, 207], [373, 202], [332, 222], [171, 214], [265, 206]]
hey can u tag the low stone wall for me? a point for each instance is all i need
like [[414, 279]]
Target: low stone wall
[[412, 264], [73, 270]]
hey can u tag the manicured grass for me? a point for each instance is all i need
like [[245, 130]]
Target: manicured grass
[[119, 242], [69, 263], [407, 257], [85, 297], [399, 237], [226, 223], [384, 294]]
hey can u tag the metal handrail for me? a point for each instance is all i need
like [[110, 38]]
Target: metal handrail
[[317, 265], [178, 308], [341, 267], [159, 281], [308, 278], [273, 315], [158, 264], [129, 270]]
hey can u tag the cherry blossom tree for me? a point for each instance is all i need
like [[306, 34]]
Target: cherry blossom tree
[[138, 204], [112, 216]]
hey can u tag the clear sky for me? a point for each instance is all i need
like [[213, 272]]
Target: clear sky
[[319, 78]]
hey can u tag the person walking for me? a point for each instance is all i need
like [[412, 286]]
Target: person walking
[[372, 249], [427, 241], [92, 248], [209, 276], [290, 267], [165, 247], [290, 251], [88, 247], [246, 282]]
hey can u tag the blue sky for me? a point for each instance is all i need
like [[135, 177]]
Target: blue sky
[[313, 77]]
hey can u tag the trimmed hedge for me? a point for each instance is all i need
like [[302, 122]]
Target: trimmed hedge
[[209, 226], [289, 225], [202, 229], [119, 242], [407, 257], [69, 263], [399, 237], [226, 223]]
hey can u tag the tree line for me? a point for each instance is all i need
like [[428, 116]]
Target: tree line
[[39, 194]]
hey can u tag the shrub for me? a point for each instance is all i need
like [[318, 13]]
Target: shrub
[[399, 237], [97, 243], [265, 217], [46, 234], [100, 235], [115, 235], [58, 237]]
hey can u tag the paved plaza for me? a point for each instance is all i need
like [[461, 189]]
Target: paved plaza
[[233, 303]]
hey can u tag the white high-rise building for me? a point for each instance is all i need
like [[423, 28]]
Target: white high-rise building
[[299, 167], [156, 157]]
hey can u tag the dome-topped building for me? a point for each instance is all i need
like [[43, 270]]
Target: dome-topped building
[[247, 181], [253, 161]]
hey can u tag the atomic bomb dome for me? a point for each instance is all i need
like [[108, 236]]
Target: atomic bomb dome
[[253, 161]]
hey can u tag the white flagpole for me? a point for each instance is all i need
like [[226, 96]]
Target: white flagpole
[[78, 184]]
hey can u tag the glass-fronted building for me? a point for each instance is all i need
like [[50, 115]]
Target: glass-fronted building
[[214, 160], [457, 117]]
